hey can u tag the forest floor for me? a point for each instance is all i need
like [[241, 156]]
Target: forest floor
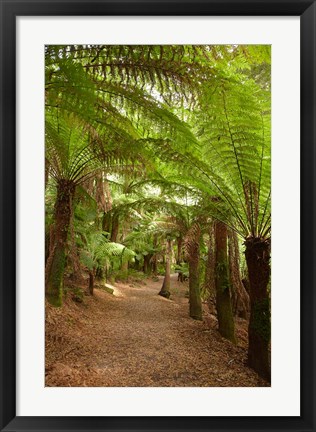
[[138, 338]]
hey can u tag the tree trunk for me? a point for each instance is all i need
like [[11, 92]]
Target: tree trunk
[[91, 281], [47, 245], [106, 222], [209, 280], [258, 262], [223, 300], [115, 228], [154, 266], [46, 172], [193, 248], [154, 263], [179, 250], [179, 257], [55, 265], [73, 255], [147, 267], [194, 288], [165, 289]]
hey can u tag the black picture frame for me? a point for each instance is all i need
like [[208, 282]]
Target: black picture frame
[[9, 10]]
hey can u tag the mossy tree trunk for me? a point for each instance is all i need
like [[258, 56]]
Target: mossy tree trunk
[[165, 289], [258, 262], [223, 299], [193, 256], [55, 265]]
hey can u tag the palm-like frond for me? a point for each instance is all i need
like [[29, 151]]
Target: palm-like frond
[[99, 250]]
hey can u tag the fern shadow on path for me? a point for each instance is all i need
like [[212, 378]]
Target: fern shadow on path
[[138, 338]]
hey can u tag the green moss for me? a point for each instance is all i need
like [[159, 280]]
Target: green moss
[[55, 282], [222, 273], [54, 300], [261, 319]]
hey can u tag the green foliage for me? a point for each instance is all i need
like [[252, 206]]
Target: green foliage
[[180, 134], [182, 268], [99, 251]]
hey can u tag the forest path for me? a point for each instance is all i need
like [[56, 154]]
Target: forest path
[[138, 338]]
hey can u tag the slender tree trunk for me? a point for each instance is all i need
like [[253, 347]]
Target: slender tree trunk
[[165, 289], [106, 219], [147, 266], [179, 257], [193, 256], [154, 265], [223, 299], [258, 261], [209, 281], [106, 222], [91, 281], [194, 288], [179, 250], [154, 256], [115, 228], [55, 265]]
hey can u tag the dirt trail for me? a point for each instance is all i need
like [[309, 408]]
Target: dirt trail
[[138, 338]]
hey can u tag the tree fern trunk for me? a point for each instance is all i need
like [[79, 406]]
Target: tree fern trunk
[[106, 222], [258, 262], [147, 266], [154, 265], [55, 265], [194, 287], [115, 228], [165, 289], [179, 250], [209, 279], [193, 244], [223, 300]]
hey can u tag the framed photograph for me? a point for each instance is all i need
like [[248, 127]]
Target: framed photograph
[[149, 150]]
